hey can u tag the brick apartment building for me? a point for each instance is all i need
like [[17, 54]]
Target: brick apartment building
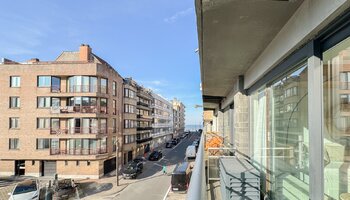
[[61, 116]]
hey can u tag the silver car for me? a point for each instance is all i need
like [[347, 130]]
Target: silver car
[[25, 190]]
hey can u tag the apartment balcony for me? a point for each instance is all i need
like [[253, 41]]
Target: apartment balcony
[[145, 117], [144, 106], [140, 141], [144, 128], [78, 130], [76, 109], [78, 152]]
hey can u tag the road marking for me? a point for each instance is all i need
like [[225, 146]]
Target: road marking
[[167, 192], [158, 164]]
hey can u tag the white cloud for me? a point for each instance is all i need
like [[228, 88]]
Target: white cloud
[[178, 15]]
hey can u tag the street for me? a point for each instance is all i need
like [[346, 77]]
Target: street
[[152, 184]]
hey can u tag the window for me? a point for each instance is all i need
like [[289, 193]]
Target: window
[[114, 125], [15, 81], [14, 123], [78, 163], [33, 162], [55, 84], [66, 163], [88, 163], [103, 105], [114, 88], [114, 143], [103, 125], [129, 139], [336, 121], [42, 143], [129, 93], [43, 123], [82, 84], [129, 108], [15, 102], [13, 143], [44, 81], [114, 107], [104, 86], [129, 123], [44, 102]]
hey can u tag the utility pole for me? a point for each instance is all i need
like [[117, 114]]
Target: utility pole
[[117, 161]]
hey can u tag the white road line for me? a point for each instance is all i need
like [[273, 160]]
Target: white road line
[[166, 194]]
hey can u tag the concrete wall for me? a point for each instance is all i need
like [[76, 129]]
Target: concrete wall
[[241, 124], [307, 21]]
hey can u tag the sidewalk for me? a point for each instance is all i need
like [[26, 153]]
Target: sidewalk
[[110, 181]]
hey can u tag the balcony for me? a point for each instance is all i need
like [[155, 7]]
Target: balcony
[[145, 117], [142, 104], [144, 128], [78, 130], [75, 109], [78, 152], [139, 141]]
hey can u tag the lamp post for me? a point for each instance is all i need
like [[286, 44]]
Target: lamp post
[[117, 161]]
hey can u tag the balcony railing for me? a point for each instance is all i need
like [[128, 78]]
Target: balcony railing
[[197, 188], [144, 116], [139, 141], [74, 109], [78, 151], [142, 104], [79, 130], [141, 128]]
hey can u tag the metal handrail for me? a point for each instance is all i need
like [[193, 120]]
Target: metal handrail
[[197, 188]]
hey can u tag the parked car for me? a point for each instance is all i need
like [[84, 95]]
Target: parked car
[[183, 136], [169, 145], [64, 189], [132, 170], [191, 152], [180, 178], [25, 190], [155, 155], [174, 142], [139, 159]]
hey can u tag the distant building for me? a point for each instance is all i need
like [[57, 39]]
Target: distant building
[[129, 120], [178, 117], [144, 120], [162, 120]]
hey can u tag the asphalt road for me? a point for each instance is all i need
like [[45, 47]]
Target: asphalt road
[[152, 184]]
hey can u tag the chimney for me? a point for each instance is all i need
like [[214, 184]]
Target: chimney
[[33, 60], [84, 52]]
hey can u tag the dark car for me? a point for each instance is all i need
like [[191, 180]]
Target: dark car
[[169, 145], [174, 142], [183, 136], [64, 189], [139, 159], [132, 170], [155, 155]]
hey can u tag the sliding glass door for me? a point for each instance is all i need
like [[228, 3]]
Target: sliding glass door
[[336, 141]]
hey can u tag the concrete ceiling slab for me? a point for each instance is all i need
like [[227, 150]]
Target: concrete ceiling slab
[[232, 34]]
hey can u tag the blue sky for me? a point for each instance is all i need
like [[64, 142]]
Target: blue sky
[[152, 41]]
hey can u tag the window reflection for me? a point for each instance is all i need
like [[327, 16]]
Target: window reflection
[[336, 76]]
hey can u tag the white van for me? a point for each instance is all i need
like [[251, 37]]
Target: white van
[[191, 152]]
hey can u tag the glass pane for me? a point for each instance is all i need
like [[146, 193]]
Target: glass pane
[[55, 84], [281, 137], [336, 120], [85, 83], [93, 84]]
